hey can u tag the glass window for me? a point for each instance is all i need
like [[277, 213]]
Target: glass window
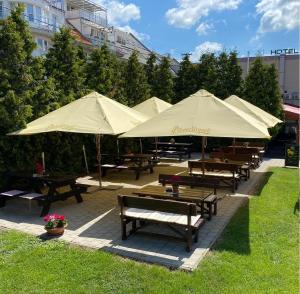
[[1, 9], [54, 22], [30, 14], [46, 45], [40, 43], [38, 12]]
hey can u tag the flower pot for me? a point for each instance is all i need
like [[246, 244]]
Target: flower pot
[[55, 231]]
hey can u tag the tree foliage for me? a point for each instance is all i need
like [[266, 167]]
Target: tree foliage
[[163, 81], [64, 65], [261, 88], [220, 75], [30, 87], [150, 68], [136, 85], [185, 82]]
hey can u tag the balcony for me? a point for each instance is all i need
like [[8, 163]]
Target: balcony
[[88, 16], [34, 23], [291, 98]]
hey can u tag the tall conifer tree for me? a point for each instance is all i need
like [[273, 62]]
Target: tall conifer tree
[[261, 88], [163, 82], [100, 71], [150, 68], [136, 85], [64, 65], [185, 82]]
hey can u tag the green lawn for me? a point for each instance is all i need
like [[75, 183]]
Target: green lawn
[[258, 253]]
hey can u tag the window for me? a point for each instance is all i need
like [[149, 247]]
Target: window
[[46, 45], [40, 43], [121, 40], [30, 12], [54, 22], [1, 9], [38, 12]]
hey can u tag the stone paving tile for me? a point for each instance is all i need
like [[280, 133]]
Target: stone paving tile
[[95, 222]]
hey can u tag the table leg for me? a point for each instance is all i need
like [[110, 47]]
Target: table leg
[[2, 201], [46, 208]]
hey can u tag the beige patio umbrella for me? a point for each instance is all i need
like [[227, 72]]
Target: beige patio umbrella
[[152, 107], [256, 112], [201, 114], [91, 114]]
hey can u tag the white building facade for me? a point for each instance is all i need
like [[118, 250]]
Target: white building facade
[[44, 16], [87, 20]]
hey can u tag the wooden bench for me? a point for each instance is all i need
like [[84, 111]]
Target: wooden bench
[[171, 213], [189, 181], [209, 205], [33, 189], [227, 173], [136, 162], [248, 161], [136, 169]]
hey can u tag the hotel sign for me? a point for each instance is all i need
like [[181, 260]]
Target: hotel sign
[[284, 51]]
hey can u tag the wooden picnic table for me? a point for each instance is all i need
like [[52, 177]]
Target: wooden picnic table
[[173, 149], [135, 162], [185, 195], [242, 166], [53, 183]]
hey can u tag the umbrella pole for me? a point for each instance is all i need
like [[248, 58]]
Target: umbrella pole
[[118, 148], [43, 162], [141, 146], [156, 147], [203, 148], [98, 146], [85, 160], [233, 142]]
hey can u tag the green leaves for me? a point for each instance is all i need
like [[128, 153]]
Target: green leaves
[[64, 64], [261, 88], [135, 81]]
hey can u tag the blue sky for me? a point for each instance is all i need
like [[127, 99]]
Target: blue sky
[[197, 26]]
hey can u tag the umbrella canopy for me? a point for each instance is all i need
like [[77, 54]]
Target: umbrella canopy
[[91, 114], [152, 107], [201, 114], [259, 114]]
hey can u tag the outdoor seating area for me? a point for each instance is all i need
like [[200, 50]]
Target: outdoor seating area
[[152, 231], [181, 196], [128, 164]]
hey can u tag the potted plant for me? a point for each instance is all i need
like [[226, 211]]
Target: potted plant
[[55, 224]]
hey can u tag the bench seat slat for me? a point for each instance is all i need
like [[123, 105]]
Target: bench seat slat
[[160, 216], [13, 193]]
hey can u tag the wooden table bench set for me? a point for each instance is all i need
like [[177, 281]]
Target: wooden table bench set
[[30, 187], [185, 209], [171, 150], [135, 162], [228, 174]]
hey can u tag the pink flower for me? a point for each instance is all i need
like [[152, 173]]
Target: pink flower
[[53, 217]]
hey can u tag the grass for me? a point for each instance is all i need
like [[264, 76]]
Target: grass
[[258, 253]]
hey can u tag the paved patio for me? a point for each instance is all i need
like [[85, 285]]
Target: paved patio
[[95, 222]]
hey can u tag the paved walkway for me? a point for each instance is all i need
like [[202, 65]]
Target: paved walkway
[[95, 222]]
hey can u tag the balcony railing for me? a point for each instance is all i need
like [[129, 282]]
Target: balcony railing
[[86, 15], [33, 22]]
